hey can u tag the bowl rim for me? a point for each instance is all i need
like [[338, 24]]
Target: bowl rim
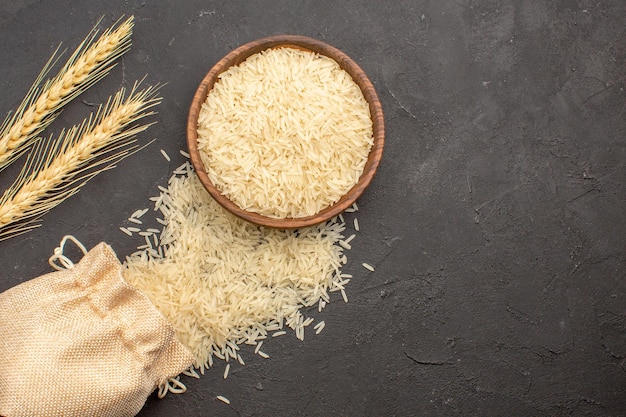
[[239, 55]]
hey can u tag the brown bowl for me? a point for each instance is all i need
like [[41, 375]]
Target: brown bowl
[[308, 44]]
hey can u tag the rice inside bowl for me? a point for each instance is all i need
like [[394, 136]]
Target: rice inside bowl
[[285, 134]]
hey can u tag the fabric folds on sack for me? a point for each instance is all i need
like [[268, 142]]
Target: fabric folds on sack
[[83, 342]]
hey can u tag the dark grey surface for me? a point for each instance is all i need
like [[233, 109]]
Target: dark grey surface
[[497, 221]]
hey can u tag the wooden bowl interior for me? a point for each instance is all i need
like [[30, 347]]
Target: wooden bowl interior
[[239, 55]]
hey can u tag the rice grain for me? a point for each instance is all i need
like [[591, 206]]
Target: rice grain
[[368, 267], [223, 399]]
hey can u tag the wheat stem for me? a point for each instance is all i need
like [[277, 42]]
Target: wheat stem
[[61, 166], [90, 62]]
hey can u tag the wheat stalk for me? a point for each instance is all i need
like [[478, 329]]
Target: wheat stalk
[[58, 168], [89, 63]]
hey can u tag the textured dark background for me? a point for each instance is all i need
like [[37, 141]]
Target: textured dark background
[[497, 221]]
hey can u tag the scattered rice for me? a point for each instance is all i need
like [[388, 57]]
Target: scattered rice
[[226, 370], [216, 277], [345, 244], [137, 214], [356, 224], [319, 327], [192, 372], [125, 230], [223, 399], [134, 220], [368, 266], [165, 155], [183, 169], [184, 153], [343, 294], [353, 208], [286, 133], [272, 327]]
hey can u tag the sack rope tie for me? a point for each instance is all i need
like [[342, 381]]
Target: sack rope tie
[[65, 262]]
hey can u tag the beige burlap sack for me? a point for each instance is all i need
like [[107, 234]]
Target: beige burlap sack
[[82, 342]]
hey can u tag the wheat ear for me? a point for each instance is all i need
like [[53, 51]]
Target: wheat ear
[[58, 168], [89, 63]]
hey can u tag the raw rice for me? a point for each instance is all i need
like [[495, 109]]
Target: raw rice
[[368, 266], [285, 133], [319, 327], [356, 224], [137, 214], [226, 370], [223, 399], [191, 373], [222, 281], [345, 244], [165, 155]]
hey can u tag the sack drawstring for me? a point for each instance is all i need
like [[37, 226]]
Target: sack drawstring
[[66, 263]]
